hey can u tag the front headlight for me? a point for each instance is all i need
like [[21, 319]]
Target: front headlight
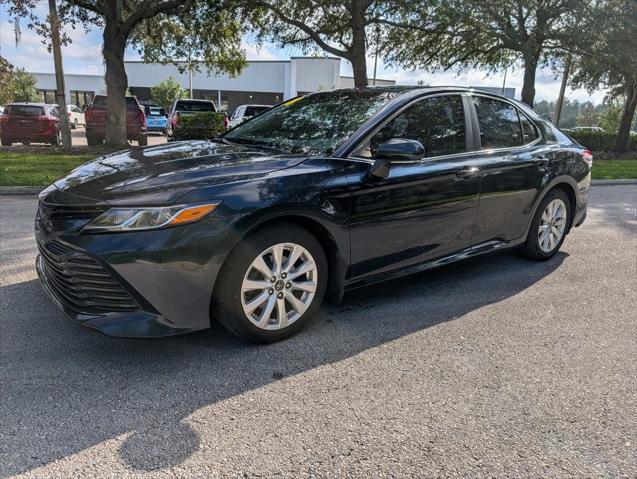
[[135, 219]]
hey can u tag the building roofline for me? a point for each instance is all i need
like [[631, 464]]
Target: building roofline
[[90, 75]]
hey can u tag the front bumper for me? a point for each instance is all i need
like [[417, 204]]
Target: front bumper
[[138, 284]]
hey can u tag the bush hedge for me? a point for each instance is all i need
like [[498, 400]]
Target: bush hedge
[[600, 141], [199, 126]]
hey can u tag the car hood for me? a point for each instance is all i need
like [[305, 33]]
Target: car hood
[[162, 174]]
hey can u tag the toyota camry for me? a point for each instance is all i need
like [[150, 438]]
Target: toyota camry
[[321, 194]]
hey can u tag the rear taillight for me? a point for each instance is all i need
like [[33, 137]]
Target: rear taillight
[[177, 119], [226, 122], [68, 113], [587, 156], [87, 115], [142, 117]]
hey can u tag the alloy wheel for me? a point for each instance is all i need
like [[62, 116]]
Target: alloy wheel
[[279, 286], [552, 225]]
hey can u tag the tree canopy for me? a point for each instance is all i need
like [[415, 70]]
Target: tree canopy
[[25, 86], [7, 82], [609, 57], [163, 30], [166, 92], [347, 29], [487, 35]]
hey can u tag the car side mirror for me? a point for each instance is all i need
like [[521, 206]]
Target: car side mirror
[[396, 150]]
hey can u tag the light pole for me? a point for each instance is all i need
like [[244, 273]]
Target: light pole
[[560, 98]]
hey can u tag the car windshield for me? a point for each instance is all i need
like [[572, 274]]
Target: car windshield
[[23, 110], [315, 124], [195, 106], [255, 110]]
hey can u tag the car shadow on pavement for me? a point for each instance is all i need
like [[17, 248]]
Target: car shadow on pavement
[[66, 388]]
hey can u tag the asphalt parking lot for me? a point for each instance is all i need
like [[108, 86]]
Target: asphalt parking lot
[[78, 138], [497, 367]]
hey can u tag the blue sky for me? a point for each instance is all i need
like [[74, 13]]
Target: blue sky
[[83, 55]]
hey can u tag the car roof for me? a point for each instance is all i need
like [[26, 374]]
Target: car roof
[[416, 90], [195, 99], [28, 103]]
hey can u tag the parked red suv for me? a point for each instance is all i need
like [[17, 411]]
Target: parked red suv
[[95, 116], [30, 123]]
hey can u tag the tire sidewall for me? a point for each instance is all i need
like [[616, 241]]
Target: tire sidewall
[[227, 302], [532, 242]]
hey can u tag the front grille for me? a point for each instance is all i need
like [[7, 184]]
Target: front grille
[[54, 212], [81, 283]]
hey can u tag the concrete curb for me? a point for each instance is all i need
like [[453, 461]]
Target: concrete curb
[[614, 182], [20, 190], [35, 190]]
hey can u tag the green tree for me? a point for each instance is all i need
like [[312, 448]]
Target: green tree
[[610, 115], [166, 92], [25, 86], [609, 58], [489, 35], [588, 115], [7, 82], [156, 27], [346, 29]]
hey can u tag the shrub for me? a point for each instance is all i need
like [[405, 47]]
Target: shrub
[[600, 141], [199, 126]]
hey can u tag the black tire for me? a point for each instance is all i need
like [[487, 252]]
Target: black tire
[[74, 125], [6, 141], [92, 140], [57, 140], [26, 143], [531, 248], [226, 305], [142, 140]]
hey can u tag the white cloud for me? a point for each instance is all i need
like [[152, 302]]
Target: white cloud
[[257, 52]]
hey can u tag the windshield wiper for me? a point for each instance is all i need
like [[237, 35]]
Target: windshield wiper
[[263, 144]]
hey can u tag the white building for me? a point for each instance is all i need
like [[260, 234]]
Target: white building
[[262, 82]]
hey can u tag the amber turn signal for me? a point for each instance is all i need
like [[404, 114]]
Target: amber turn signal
[[194, 213]]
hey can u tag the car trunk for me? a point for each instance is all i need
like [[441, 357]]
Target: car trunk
[[26, 121]]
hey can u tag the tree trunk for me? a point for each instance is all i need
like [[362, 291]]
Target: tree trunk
[[60, 91], [528, 87], [116, 84], [358, 52], [623, 134]]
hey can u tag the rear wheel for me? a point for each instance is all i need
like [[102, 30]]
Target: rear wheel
[[6, 141], [549, 226], [74, 125], [142, 140], [57, 139], [93, 141], [272, 284]]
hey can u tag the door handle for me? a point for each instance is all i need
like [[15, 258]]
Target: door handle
[[468, 172], [541, 161]]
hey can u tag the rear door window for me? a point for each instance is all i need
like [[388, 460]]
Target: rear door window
[[255, 110], [24, 110], [499, 123], [529, 131]]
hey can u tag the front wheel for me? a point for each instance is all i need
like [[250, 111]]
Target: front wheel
[[272, 284], [6, 141], [549, 227]]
